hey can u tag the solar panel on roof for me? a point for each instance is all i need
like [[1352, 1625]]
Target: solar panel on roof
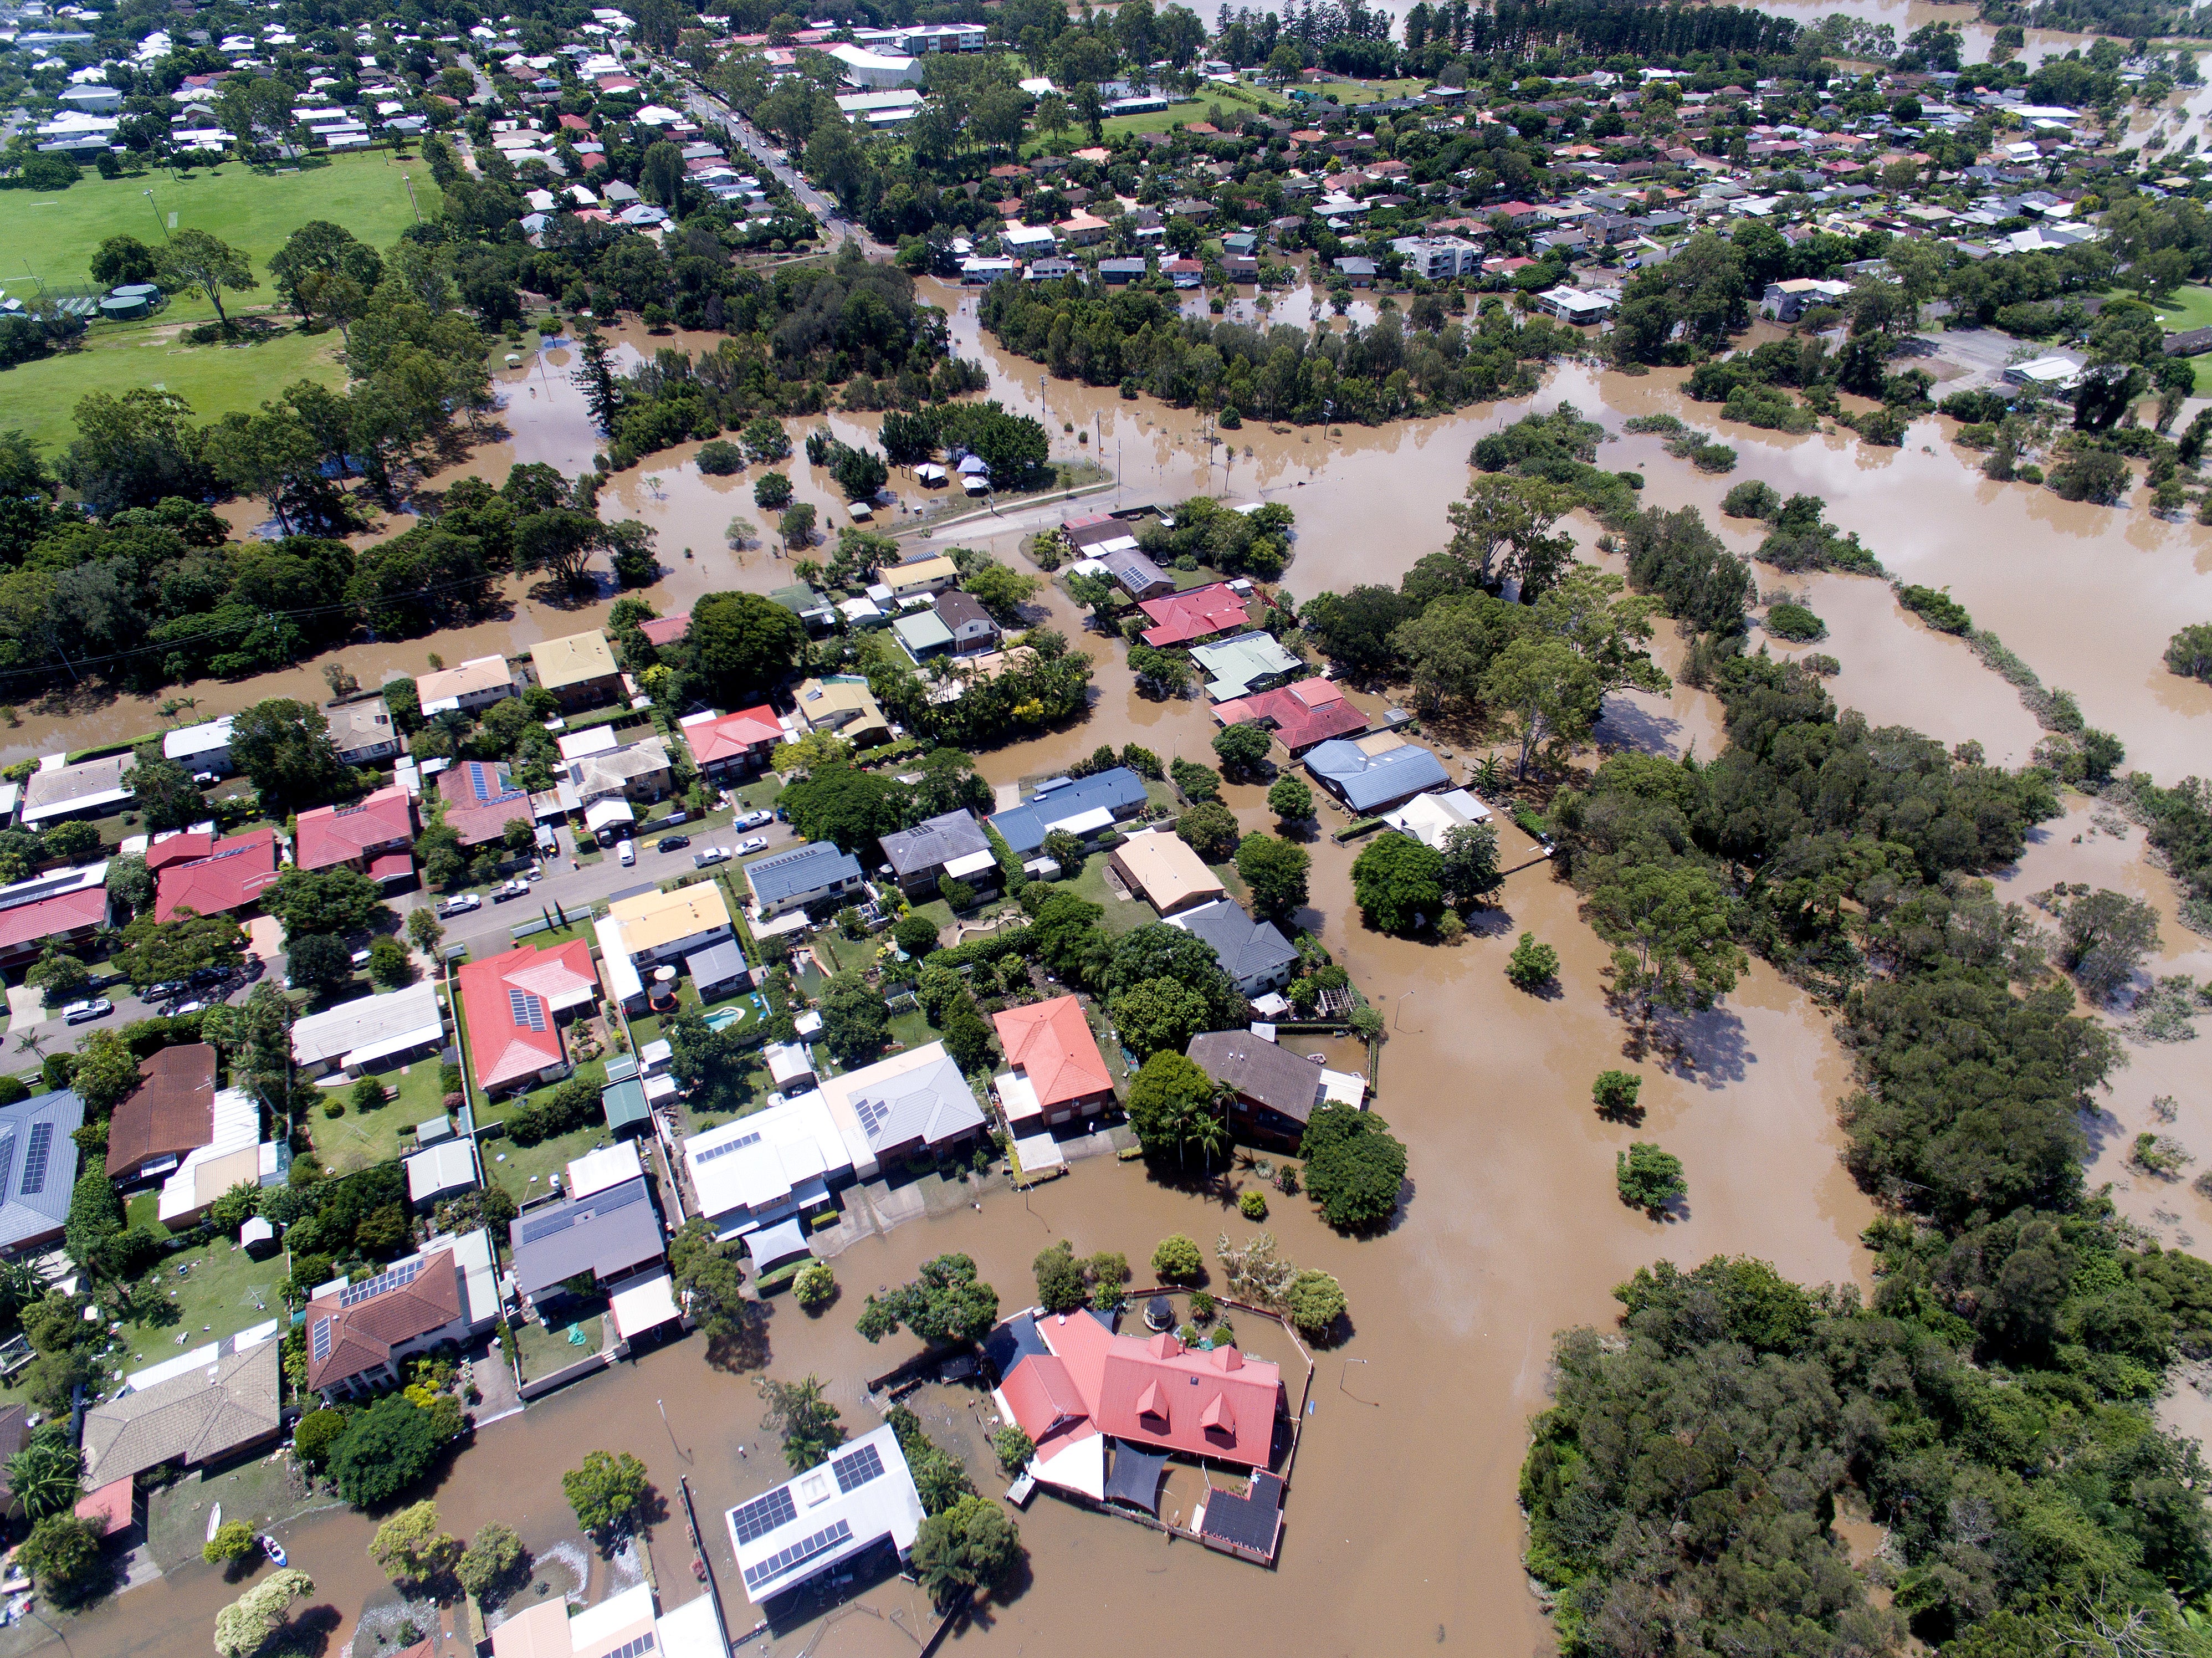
[[7, 1159], [527, 1009], [872, 1114], [34, 1159], [400, 1275], [636, 1647], [322, 1339], [757, 1518], [726, 1147], [602, 1203], [806, 1549], [857, 1470]]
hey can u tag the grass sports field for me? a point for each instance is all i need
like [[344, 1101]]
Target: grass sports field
[[55, 236], [39, 397]]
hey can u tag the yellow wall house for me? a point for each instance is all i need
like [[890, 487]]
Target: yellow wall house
[[843, 703], [1161, 867], [579, 670]]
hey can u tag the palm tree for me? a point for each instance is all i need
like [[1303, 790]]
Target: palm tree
[[31, 1041]]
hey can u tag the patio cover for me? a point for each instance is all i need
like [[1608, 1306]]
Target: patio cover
[[1135, 1478], [645, 1304]]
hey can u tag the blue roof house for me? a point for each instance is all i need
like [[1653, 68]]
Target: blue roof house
[[1084, 807], [1370, 782], [816, 873]]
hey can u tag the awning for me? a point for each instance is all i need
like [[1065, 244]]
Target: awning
[[772, 1246], [1080, 1468], [1135, 1476], [1039, 1152], [392, 866], [1082, 824], [644, 1305], [973, 862], [427, 1035], [602, 814]]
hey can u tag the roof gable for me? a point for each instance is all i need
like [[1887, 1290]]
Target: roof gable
[[1051, 1043]]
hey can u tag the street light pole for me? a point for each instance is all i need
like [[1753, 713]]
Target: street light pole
[[155, 208]]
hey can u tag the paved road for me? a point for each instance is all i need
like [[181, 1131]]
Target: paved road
[[711, 112], [486, 932]]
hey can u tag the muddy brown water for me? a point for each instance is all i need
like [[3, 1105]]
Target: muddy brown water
[[1402, 1529]]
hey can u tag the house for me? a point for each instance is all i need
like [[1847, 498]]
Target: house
[[607, 1236], [662, 631], [808, 605], [514, 1002], [843, 703], [631, 771], [1375, 773], [718, 969], [732, 744], [790, 1068], [1085, 807], [1254, 954], [1431, 818], [863, 1498], [803, 878], [476, 683], [1116, 273], [912, 1104], [233, 874], [91, 788], [445, 1168], [1136, 574], [1238, 666], [232, 1155], [952, 844], [652, 928], [1574, 305], [1356, 271], [922, 635], [1076, 1388], [968, 622], [1055, 1072], [1199, 613], [625, 1626], [579, 669], [1082, 230], [931, 574], [202, 748], [1274, 1090], [38, 1169], [65, 907], [1303, 713], [482, 799], [358, 1334], [370, 1032], [1439, 259], [2053, 374], [1160, 867], [210, 1416], [375, 835], [769, 1165], [1786, 302], [362, 731], [168, 1116]]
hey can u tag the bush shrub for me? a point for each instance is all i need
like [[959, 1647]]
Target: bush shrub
[[721, 457], [1793, 622]]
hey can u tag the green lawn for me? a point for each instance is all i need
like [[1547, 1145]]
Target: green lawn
[[360, 1140], [2190, 308], [224, 1292], [545, 1352], [760, 794], [1158, 120], [253, 211], [547, 1157], [40, 397], [1370, 92], [1122, 915]]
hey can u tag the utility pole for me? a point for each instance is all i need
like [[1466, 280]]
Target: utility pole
[[408, 179], [156, 208]]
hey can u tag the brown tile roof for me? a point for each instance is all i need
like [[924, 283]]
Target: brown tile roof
[[362, 1335], [200, 1417], [170, 1113]]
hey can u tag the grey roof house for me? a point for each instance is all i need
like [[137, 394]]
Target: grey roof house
[[1275, 1090], [1139, 575], [1254, 954], [952, 844], [206, 1416], [968, 622], [811, 874], [1374, 782], [37, 1169], [605, 1236]]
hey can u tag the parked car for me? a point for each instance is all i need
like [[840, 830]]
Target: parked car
[[518, 887], [758, 843], [460, 904], [183, 1008], [753, 819], [165, 990], [701, 859], [626, 850], [104, 982], [672, 843], [210, 975], [84, 1012]]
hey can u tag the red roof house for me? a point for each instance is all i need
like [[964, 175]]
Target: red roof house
[[482, 798], [1152, 1391], [1056, 1071], [513, 1004], [1303, 712], [63, 917], [230, 877], [735, 741], [356, 1334], [1201, 612], [182, 847], [665, 629], [359, 835]]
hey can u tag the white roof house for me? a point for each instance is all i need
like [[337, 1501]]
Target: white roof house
[[858, 1499], [1430, 817], [884, 1109], [768, 1165], [355, 1035], [199, 748]]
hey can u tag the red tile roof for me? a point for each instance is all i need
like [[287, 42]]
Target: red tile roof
[[1303, 713], [665, 629], [482, 798], [50, 917], [1154, 1392], [339, 835], [361, 1336], [508, 999], [1052, 1044], [229, 878], [1181, 617], [392, 866], [733, 736], [179, 848], [575, 124]]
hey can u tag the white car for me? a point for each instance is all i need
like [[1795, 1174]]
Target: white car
[[758, 843], [753, 819], [83, 1012], [188, 1007], [461, 904]]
